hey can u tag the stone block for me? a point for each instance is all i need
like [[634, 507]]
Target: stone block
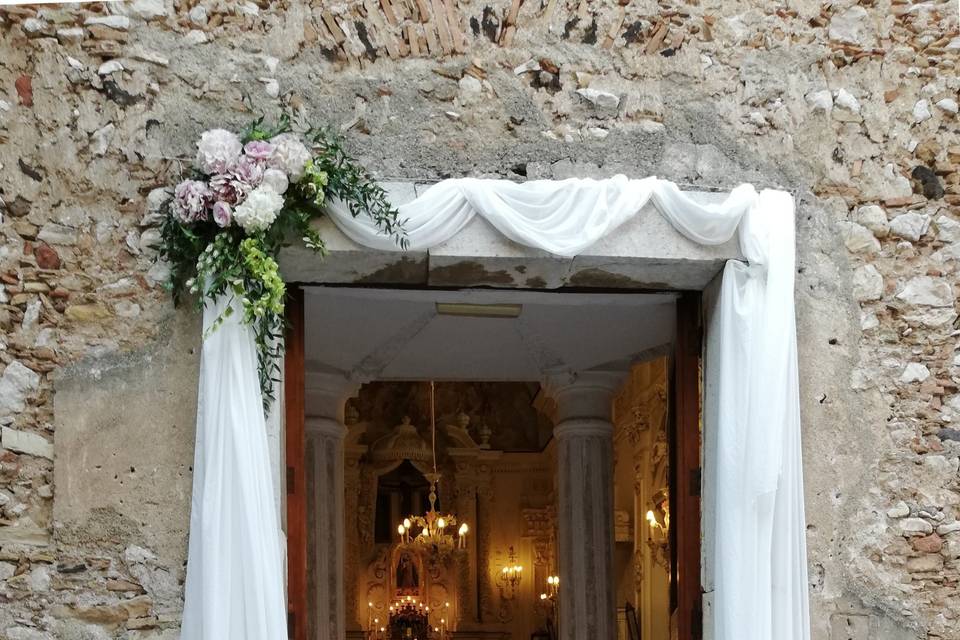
[[927, 291], [53, 233], [17, 383], [867, 283], [25, 442], [645, 252], [925, 563], [911, 226], [915, 527]]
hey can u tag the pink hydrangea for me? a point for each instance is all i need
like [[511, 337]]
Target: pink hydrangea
[[217, 150], [290, 155], [191, 199]]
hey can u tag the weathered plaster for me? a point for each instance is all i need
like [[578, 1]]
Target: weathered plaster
[[123, 451], [841, 103]]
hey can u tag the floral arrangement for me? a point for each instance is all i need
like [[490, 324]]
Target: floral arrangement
[[248, 196]]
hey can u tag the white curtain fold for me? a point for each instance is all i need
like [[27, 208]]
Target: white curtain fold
[[760, 566], [235, 576], [563, 217], [235, 570]]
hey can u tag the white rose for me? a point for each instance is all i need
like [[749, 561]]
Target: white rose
[[275, 179], [217, 149], [259, 210], [289, 155]]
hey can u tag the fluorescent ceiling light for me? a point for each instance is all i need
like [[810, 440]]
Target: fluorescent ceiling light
[[479, 310]]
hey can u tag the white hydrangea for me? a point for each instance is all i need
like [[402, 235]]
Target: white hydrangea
[[259, 210], [289, 155], [275, 179], [217, 150]]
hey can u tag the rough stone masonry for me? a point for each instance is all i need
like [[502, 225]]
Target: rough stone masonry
[[853, 106]]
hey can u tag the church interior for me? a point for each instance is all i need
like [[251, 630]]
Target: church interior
[[450, 477]]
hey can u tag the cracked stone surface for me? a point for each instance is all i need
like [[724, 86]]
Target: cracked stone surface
[[839, 103]]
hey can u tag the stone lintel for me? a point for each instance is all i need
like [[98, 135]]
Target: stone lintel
[[644, 253]]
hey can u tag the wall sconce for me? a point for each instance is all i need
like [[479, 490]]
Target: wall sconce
[[549, 604], [658, 530], [658, 521], [509, 578], [549, 597], [658, 518], [553, 586]]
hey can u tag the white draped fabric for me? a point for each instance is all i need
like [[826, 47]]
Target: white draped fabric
[[562, 217], [760, 581], [235, 577], [235, 568]]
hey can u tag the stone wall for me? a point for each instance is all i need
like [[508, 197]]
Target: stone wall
[[852, 106]]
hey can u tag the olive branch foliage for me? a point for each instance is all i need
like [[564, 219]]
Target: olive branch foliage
[[210, 261]]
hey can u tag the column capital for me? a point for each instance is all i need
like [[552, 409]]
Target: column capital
[[325, 427], [584, 394], [327, 393]]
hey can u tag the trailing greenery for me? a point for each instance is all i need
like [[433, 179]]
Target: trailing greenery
[[210, 259]]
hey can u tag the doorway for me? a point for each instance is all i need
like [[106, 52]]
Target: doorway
[[420, 335]]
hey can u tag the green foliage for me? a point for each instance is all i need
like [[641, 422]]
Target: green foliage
[[349, 182], [210, 261]]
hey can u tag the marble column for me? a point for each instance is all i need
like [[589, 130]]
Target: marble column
[[584, 434], [325, 432]]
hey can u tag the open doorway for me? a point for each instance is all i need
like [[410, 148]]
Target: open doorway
[[612, 512]]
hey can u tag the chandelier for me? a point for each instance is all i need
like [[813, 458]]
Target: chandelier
[[433, 531]]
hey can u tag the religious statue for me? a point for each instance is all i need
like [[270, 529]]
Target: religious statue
[[407, 576]]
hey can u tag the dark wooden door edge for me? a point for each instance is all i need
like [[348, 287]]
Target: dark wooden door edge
[[294, 371], [685, 470]]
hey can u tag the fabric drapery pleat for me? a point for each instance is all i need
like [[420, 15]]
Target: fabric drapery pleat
[[235, 575], [235, 568]]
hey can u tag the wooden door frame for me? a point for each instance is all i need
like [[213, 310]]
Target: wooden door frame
[[685, 467], [294, 426], [686, 590]]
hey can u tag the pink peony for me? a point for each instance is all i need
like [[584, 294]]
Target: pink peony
[[258, 149], [226, 188], [217, 150], [190, 201], [247, 170], [222, 214]]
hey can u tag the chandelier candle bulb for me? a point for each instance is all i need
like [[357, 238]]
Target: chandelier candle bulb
[[433, 536]]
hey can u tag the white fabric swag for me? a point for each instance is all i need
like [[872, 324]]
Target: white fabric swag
[[235, 565], [760, 572]]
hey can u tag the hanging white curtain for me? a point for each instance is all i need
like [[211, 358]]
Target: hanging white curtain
[[235, 575], [235, 571], [760, 564]]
